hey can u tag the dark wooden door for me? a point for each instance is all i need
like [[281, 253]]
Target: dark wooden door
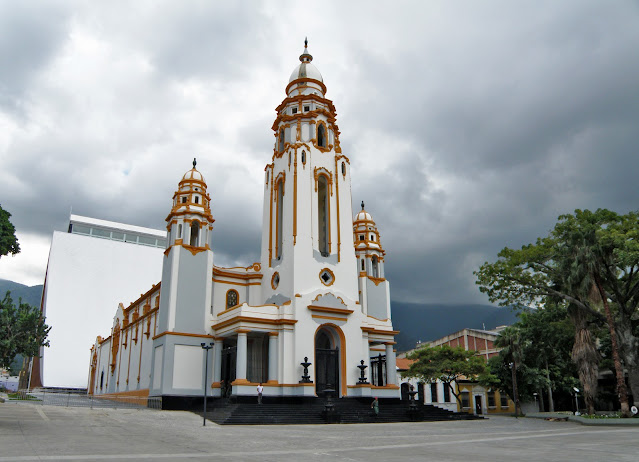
[[326, 370]]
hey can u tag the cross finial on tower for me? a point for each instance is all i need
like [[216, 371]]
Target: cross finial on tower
[[306, 56], [194, 162], [362, 205]]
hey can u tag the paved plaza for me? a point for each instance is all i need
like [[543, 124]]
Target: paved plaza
[[32, 432]]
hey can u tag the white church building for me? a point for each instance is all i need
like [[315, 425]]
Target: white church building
[[318, 295]]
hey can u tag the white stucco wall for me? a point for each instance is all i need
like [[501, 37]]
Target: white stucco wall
[[86, 279]]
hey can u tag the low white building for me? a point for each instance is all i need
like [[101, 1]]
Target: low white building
[[318, 295], [92, 267]]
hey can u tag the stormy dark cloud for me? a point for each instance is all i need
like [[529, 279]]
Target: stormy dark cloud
[[469, 126]]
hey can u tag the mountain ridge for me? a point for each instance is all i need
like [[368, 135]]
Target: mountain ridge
[[414, 321]]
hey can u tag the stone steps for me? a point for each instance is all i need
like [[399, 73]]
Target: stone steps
[[312, 412]]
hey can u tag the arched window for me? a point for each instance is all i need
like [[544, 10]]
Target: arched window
[[322, 215], [323, 341], [375, 267], [179, 234], [231, 298], [195, 233], [343, 169], [279, 219], [281, 143], [321, 136], [184, 200], [303, 157], [101, 380], [363, 265]]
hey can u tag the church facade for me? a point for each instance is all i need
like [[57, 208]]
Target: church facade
[[303, 320]]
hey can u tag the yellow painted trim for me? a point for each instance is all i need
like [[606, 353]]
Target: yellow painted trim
[[243, 284], [339, 241], [182, 334], [333, 318], [379, 331], [237, 319], [295, 188], [221, 272], [325, 309]]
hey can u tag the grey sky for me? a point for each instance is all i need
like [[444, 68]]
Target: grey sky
[[469, 125]]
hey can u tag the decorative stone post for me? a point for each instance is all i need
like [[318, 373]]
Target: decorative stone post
[[305, 378]]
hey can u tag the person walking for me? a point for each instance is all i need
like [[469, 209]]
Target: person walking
[[375, 406], [260, 390]]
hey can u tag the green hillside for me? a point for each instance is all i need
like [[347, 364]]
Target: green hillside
[[415, 321], [31, 295]]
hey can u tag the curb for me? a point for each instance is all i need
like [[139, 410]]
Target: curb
[[584, 421]]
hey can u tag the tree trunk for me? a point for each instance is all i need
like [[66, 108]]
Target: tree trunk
[[586, 357], [540, 405], [515, 392], [551, 403], [622, 391], [629, 348]]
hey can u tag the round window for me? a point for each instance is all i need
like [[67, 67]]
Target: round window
[[327, 277], [275, 280]]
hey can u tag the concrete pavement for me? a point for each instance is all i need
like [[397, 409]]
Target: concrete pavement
[[32, 432]]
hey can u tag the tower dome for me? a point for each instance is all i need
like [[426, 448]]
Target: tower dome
[[306, 78], [365, 233], [191, 209], [306, 70]]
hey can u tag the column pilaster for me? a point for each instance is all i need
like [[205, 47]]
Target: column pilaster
[[391, 364], [272, 357], [242, 350]]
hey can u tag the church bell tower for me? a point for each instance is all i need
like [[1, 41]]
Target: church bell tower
[[307, 217], [188, 260]]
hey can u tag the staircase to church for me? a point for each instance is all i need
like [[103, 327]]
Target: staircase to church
[[309, 412]]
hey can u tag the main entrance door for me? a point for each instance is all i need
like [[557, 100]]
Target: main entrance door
[[229, 358], [326, 365]]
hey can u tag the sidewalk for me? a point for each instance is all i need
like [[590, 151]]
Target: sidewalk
[[583, 420]]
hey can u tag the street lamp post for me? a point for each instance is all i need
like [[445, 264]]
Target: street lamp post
[[206, 348], [576, 401]]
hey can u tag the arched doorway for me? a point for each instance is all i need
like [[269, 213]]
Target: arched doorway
[[327, 361]]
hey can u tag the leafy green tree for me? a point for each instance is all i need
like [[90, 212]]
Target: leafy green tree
[[587, 254], [445, 364], [544, 340], [586, 250], [22, 330], [8, 241]]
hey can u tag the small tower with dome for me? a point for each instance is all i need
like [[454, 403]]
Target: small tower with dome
[[373, 286], [186, 287]]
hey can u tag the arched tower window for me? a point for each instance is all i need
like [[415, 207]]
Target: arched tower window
[[195, 233], [280, 146], [179, 234], [321, 136], [279, 219], [231, 298], [303, 157], [375, 267], [322, 215]]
